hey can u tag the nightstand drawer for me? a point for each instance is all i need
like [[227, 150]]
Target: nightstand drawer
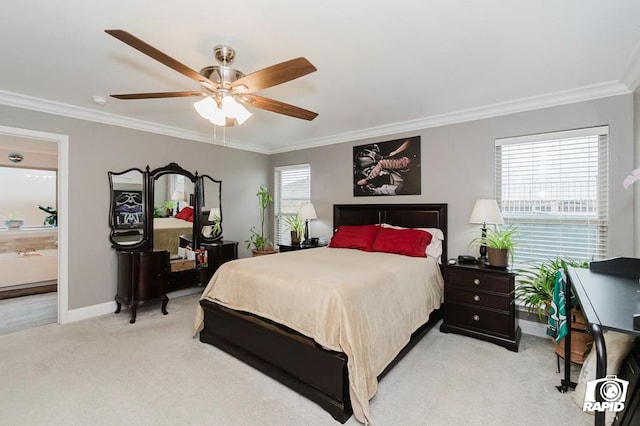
[[478, 298], [479, 319], [479, 280]]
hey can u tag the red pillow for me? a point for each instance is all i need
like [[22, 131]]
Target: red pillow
[[185, 213], [409, 242], [355, 237]]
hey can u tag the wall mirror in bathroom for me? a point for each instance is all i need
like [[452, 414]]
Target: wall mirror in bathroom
[[210, 204], [128, 210], [173, 204]]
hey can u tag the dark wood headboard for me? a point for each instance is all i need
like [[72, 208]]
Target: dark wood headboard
[[407, 215]]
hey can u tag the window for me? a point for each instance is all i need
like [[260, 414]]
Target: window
[[554, 188], [292, 188]]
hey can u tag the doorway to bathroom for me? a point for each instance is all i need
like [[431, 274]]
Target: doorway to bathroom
[[32, 288]]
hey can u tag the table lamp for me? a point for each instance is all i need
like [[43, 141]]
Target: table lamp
[[307, 212], [177, 196], [484, 212]]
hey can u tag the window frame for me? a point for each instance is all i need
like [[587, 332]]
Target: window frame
[[596, 225], [278, 214]]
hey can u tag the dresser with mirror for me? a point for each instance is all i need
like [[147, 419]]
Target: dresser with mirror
[[166, 228]]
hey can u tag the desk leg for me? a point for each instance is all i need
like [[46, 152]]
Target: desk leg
[[601, 365]]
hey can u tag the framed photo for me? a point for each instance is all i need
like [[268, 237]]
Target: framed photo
[[128, 209], [387, 168]]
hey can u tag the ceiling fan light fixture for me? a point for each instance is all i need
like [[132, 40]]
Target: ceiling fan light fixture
[[217, 117], [233, 109], [205, 107]]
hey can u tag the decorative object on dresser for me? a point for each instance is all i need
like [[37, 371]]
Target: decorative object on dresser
[[261, 243], [485, 212], [147, 246], [479, 303], [299, 361]]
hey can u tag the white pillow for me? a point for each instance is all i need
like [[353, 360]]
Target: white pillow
[[434, 249]]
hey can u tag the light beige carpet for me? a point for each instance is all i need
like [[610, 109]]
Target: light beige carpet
[[105, 371]]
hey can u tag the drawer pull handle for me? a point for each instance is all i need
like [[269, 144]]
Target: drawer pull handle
[[476, 281], [476, 318], [476, 298]]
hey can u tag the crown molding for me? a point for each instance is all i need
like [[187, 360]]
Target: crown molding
[[71, 111], [586, 93], [596, 91], [632, 75]]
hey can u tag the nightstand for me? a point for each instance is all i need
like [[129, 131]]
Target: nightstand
[[479, 303], [294, 247]]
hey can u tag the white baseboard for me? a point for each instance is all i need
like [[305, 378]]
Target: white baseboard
[[533, 328], [110, 307]]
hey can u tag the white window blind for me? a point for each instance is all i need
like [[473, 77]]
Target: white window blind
[[553, 187], [292, 189]]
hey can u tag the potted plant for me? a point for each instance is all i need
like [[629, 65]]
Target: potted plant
[[536, 282], [13, 221], [168, 207], [261, 242], [296, 226], [500, 245]]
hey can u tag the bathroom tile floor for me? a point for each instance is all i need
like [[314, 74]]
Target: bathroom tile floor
[[20, 313]]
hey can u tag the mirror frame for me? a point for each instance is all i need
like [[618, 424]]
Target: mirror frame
[[172, 168], [200, 187], [145, 211]]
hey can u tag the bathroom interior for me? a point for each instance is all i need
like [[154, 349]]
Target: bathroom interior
[[28, 232]]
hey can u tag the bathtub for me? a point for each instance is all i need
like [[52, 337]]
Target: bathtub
[[17, 270]]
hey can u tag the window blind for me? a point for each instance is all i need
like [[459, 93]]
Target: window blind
[[292, 189], [553, 187]]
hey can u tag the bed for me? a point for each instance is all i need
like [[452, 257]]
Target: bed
[[167, 231], [339, 367]]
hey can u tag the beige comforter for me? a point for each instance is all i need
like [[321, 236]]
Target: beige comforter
[[363, 304], [167, 231]]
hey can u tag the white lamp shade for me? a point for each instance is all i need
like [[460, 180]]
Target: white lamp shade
[[307, 212], [177, 195], [214, 214], [486, 211]]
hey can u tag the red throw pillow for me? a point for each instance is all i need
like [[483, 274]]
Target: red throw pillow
[[409, 242], [185, 213], [355, 237]]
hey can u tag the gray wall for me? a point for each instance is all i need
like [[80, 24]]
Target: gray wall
[[458, 166], [94, 149]]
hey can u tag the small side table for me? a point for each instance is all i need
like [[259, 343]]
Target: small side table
[[479, 303], [295, 247]]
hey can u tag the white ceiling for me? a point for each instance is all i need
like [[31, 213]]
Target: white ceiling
[[383, 67]]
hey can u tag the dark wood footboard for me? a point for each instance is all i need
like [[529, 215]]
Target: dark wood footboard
[[294, 360]]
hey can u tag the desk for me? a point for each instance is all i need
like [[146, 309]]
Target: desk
[[609, 302]]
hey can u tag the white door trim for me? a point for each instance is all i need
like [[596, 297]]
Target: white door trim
[[63, 210]]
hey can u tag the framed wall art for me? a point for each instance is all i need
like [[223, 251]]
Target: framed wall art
[[387, 168]]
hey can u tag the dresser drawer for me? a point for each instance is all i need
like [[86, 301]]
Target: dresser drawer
[[479, 319], [478, 298], [479, 280]]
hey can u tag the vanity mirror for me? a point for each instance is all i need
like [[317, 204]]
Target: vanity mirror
[[153, 213], [210, 199], [128, 209], [174, 204]]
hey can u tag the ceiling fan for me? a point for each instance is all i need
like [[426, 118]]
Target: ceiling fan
[[225, 89]]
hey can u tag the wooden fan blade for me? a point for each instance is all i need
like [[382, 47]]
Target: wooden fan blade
[[158, 95], [274, 75], [154, 53], [277, 106]]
